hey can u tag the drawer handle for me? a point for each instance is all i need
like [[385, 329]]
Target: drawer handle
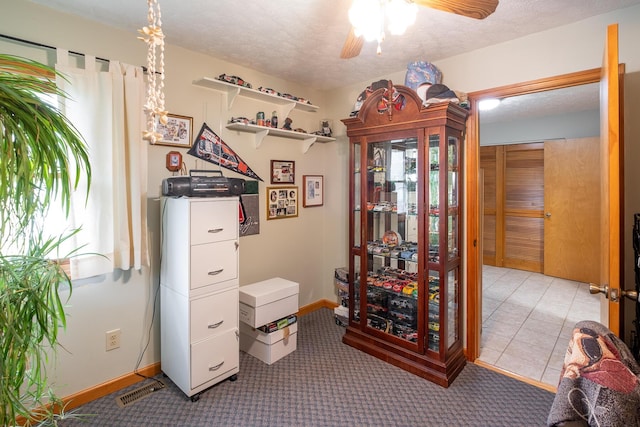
[[213, 273], [215, 230], [215, 325], [215, 368]]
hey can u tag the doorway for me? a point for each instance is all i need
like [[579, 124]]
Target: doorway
[[474, 242]]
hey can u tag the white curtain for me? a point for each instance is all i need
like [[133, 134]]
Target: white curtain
[[107, 109]]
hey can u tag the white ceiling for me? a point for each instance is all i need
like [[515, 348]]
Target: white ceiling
[[300, 40], [549, 103]]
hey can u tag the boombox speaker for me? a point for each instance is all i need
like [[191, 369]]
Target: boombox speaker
[[202, 183]]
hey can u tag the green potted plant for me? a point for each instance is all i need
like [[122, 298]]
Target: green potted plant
[[42, 157]]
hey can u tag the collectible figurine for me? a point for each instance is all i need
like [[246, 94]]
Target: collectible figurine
[[326, 129], [287, 123]]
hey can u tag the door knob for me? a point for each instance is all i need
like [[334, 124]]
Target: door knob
[[548, 214], [632, 295], [595, 289], [613, 294]]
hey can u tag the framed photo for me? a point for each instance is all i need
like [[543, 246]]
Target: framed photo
[[312, 190], [283, 172], [282, 202], [178, 132]]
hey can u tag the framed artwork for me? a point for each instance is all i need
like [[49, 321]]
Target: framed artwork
[[283, 172], [312, 190], [282, 202], [178, 132]]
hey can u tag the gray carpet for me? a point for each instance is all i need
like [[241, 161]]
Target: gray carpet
[[327, 383]]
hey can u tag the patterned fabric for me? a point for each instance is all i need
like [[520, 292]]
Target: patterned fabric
[[599, 383]]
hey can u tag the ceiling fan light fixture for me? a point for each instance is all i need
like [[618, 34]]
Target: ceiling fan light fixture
[[401, 14], [367, 17]]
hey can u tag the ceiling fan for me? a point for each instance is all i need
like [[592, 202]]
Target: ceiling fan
[[477, 9]]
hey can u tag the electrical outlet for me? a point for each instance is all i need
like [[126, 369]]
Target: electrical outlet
[[113, 339]]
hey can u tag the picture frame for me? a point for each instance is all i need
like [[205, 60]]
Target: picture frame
[[178, 132], [282, 202], [312, 190], [283, 172]]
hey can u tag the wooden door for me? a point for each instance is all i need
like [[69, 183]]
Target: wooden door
[[611, 183], [572, 209]]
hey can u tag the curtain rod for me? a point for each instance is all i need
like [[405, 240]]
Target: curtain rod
[[45, 46], [29, 42]]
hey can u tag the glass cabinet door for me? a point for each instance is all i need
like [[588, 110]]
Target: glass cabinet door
[[357, 203], [392, 237], [433, 157], [453, 239], [355, 235], [453, 195]]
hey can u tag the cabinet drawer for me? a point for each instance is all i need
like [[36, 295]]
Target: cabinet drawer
[[213, 263], [214, 221], [214, 357], [214, 314]]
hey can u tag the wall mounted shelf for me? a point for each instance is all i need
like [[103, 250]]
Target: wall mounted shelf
[[262, 131], [233, 91]]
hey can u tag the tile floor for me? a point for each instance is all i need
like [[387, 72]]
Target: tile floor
[[527, 319]]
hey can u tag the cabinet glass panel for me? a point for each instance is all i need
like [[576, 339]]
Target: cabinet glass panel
[[355, 289], [452, 307], [391, 237], [434, 311], [453, 196], [434, 197], [356, 195]]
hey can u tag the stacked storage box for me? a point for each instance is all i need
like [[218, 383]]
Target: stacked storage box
[[341, 281], [268, 321]]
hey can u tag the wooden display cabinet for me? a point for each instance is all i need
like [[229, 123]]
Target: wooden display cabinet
[[405, 233]]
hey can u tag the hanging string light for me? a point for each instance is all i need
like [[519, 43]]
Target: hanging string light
[[154, 107]]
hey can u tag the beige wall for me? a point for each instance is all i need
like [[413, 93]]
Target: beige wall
[[304, 249]]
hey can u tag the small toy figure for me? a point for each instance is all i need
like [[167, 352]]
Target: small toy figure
[[287, 124], [325, 128]]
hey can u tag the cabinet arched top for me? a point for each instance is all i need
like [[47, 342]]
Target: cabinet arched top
[[400, 106]]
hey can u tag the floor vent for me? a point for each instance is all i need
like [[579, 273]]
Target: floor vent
[[139, 393]]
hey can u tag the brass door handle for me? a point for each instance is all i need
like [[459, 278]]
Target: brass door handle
[[596, 289]]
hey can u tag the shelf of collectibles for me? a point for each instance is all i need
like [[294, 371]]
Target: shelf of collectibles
[[234, 87]]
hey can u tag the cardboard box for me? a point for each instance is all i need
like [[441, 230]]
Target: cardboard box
[[268, 301], [268, 347], [341, 315]]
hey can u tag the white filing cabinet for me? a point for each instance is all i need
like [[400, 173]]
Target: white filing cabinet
[[199, 292]]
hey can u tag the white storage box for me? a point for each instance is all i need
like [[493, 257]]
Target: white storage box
[[268, 301], [341, 315], [268, 347]]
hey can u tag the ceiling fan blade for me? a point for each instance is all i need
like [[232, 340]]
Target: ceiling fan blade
[[477, 9], [352, 46]]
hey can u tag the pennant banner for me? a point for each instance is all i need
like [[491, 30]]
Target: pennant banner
[[210, 147]]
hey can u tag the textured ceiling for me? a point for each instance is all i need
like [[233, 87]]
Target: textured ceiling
[[548, 103], [301, 40]]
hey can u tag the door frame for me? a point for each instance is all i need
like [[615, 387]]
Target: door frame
[[473, 215]]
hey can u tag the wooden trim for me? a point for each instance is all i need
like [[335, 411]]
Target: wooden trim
[[472, 169], [85, 396], [101, 390], [510, 374], [310, 308], [540, 85], [473, 242]]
